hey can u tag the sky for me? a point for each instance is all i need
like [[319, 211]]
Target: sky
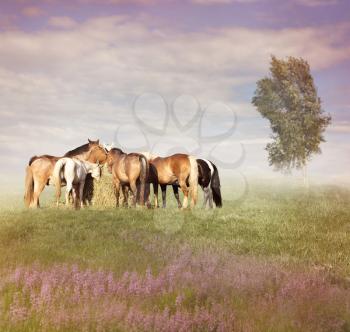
[[166, 76]]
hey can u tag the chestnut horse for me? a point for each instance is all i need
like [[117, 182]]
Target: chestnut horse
[[127, 169], [40, 169], [181, 169]]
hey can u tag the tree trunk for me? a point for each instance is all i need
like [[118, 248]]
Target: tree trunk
[[305, 177]]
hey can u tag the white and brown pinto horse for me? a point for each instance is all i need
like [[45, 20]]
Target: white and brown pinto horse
[[127, 169], [40, 169], [208, 179], [181, 169]]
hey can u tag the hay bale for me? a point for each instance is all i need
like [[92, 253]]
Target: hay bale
[[103, 193]]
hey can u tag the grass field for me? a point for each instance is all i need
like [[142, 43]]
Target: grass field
[[276, 261]]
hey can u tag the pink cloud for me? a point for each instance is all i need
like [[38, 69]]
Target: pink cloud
[[316, 3], [32, 11], [63, 22]]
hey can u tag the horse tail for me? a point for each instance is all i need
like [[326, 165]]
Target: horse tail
[[193, 178], [31, 160], [143, 177], [215, 187], [28, 186], [57, 176]]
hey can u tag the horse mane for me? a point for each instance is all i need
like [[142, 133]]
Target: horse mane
[[78, 150], [115, 150]]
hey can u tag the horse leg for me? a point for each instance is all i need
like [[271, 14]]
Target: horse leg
[[176, 194], [147, 194], [133, 188], [184, 188], [88, 190], [163, 187], [206, 196], [74, 195], [125, 190], [117, 189], [68, 190], [39, 185], [155, 194], [81, 192], [210, 197]]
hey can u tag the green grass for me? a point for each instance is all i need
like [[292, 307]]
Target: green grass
[[292, 226], [297, 229]]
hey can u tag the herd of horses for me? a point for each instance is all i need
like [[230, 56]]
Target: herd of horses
[[131, 172]]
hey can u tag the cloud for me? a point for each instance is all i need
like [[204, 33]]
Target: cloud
[[63, 22], [58, 87], [35, 11], [340, 127], [129, 57], [316, 3], [32, 11]]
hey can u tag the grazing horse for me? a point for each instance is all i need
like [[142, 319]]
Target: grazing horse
[[127, 169], [73, 171], [180, 169], [40, 169], [151, 179], [208, 179]]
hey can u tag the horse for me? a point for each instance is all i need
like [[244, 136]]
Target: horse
[[74, 172], [127, 169], [152, 178], [208, 179], [180, 169], [40, 169]]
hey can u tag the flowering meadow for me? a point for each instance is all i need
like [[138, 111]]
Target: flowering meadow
[[208, 292], [272, 263]]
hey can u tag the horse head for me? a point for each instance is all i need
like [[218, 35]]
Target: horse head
[[97, 152], [112, 156], [96, 171]]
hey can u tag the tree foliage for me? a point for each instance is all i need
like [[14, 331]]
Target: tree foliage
[[289, 100]]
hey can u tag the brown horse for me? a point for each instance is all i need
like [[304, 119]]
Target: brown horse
[[152, 179], [180, 169], [127, 169], [40, 169]]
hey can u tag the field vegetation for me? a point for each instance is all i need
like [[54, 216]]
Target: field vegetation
[[277, 260]]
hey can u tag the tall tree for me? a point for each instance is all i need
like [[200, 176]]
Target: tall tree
[[289, 100]]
